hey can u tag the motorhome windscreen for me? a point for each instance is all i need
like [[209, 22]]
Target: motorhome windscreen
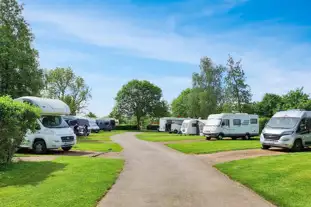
[[213, 122], [53, 122], [83, 122], [283, 122]]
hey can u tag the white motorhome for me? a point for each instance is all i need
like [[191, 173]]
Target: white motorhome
[[192, 126], [93, 126], [234, 125], [52, 131], [170, 124], [288, 129]]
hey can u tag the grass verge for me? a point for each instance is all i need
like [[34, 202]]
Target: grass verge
[[165, 137], [66, 181], [214, 146], [283, 179]]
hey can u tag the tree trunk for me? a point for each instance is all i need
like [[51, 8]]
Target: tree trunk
[[138, 122]]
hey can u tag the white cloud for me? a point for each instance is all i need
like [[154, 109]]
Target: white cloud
[[273, 62]]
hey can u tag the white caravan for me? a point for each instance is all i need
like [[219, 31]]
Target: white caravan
[[234, 125], [170, 124], [288, 129], [192, 126], [52, 131]]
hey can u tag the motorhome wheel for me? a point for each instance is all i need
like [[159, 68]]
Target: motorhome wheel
[[208, 138], [297, 146], [220, 136], [265, 147], [175, 131], [39, 147], [246, 137], [66, 149]]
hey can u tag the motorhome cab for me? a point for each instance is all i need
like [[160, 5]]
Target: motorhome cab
[[170, 124], [52, 131], [234, 125], [288, 129], [192, 126]]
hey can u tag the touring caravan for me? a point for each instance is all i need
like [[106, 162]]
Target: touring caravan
[[192, 126], [288, 129], [234, 125], [170, 124], [52, 131]]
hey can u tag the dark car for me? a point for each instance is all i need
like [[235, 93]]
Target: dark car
[[80, 126]]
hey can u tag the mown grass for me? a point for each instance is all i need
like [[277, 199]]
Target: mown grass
[[64, 182], [165, 137], [214, 146], [99, 142], [284, 179]]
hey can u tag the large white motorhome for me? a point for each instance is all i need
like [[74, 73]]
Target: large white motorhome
[[234, 125], [288, 129], [192, 126], [52, 131], [170, 124]]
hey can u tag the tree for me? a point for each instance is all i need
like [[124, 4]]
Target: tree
[[237, 91], [180, 104], [91, 115], [269, 104], [139, 99], [296, 99], [19, 72], [62, 83]]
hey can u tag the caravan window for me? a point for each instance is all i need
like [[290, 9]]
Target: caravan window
[[245, 122], [194, 124], [226, 122], [237, 122], [254, 121]]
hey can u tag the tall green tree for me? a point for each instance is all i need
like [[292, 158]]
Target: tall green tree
[[269, 104], [19, 72], [91, 115], [296, 99], [180, 104], [62, 83], [139, 99], [237, 90]]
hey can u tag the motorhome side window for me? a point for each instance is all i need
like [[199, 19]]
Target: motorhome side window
[[226, 122], [237, 122], [302, 128], [254, 121]]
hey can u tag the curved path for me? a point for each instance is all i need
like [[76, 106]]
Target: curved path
[[156, 176]]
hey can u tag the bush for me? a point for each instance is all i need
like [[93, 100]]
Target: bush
[[15, 119], [262, 123], [126, 127], [152, 127]]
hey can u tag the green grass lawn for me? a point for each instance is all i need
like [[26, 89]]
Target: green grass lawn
[[64, 182], [284, 179], [164, 137], [214, 146], [99, 142]]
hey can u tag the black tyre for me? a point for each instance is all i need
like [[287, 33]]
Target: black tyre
[[39, 147], [66, 149], [297, 146], [265, 147], [208, 138], [220, 136], [175, 131], [233, 138], [247, 137]]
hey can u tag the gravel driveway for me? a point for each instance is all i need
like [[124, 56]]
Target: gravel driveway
[[157, 176]]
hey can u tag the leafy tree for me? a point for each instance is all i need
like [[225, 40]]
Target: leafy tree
[[296, 99], [63, 84], [237, 91], [139, 99], [91, 115], [19, 73], [270, 104], [180, 104]]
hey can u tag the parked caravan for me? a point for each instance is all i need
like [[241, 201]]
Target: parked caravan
[[52, 131], [288, 129], [190, 127], [170, 124], [234, 125], [93, 126], [79, 125]]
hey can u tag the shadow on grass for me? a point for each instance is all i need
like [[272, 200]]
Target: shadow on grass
[[27, 173]]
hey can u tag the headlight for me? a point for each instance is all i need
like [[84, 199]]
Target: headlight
[[287, 133]]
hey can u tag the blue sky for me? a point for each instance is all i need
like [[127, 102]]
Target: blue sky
[[109, 42]]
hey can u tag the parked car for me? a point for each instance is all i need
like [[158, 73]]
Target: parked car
[[80, 126], [234, 125], [288, 129], [52, 131]]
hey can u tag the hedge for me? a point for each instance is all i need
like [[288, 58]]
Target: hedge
[[126, 127], [262, 123], [152, 127], [16, 118]]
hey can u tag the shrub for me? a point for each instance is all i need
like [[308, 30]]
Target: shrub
[[262, 123], [126, 127], [152, 127], [15, 119]]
